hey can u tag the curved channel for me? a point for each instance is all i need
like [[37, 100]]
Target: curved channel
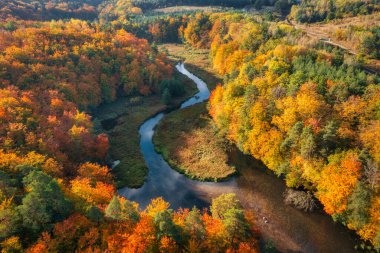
[[291, 230], [162, 180]]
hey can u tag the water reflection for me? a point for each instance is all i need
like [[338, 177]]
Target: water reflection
[[290, 229], [163, 181]]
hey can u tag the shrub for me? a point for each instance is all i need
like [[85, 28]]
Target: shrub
[[174, 86], [135, 101], [169, 89], [300, 200]]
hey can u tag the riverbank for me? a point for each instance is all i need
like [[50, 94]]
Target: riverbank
[[122, 118], [162, 180], [289, 229], [197, 62], [121, 121], [259, 191], [188, 141]]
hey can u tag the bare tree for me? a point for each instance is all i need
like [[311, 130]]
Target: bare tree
[[300, 200], [371, 172]]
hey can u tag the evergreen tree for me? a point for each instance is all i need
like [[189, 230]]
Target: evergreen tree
[[308, 145], [130, 212], [113, 210], [165, 225], [166, 97], [236, 225], [194, 226], [44, 205], [10, 222], [94, 214], [358, 205]]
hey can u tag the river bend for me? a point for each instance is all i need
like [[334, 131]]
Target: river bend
[[291, 230]]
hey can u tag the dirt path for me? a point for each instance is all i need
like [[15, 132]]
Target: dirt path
[[323, 37]]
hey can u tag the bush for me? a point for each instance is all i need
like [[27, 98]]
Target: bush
[[135, 101], [166, 97], [171, 88], [300, 200]]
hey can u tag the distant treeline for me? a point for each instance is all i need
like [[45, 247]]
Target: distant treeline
[[310, 11], [152, 4], [303, 11], [48, 9]]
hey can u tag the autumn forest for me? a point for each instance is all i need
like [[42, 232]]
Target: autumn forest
[[189, 126]]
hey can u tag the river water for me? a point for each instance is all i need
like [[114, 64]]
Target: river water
[[290, 230]]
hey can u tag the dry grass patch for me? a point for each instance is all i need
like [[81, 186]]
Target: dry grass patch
[[348, 32], [188, 141]]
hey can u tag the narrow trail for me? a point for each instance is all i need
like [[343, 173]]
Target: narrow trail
[[324, 38]]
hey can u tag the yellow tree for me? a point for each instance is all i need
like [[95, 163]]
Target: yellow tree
[[338, 180]]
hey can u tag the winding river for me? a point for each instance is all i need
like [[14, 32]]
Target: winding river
[[291, 230]]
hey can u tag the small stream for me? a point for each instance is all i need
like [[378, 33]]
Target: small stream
[[291, 230]]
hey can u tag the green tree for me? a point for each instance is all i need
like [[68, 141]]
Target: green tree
[[165, 225], [113, 210], [308, 144], [130, 212], [166, 97], [222, 204], [236, 226], [330, 138], [94, 214], [10, 26], [358, 205], [257, 4], [371, 43], [194, 226], [174, 86], [10, 222], [293, 137], [44, 205]]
